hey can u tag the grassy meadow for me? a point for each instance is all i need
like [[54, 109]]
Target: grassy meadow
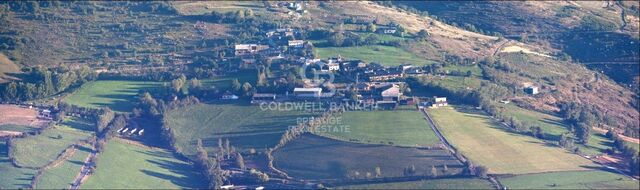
[[486, 143], [12, 177], [553, 127], [385, 55], [128, 166], [315, 157], [453, 183], [246, 126], [39, 150], [592, 179], [17, 128], [403, 128], [115, 94], [62, 175]]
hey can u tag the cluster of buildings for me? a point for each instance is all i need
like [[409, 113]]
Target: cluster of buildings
[[133, 131]]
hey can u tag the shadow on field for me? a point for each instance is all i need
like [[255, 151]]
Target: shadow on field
[[185, 175]]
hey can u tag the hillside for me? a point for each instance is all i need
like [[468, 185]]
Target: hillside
[[562, 80], [591, 32]]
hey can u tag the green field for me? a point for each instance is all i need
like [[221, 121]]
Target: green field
[[39, 150], [315, 157], [12, 177], [128, 166], [246, 126], [385, 55], [454, 183], [593, 179], [404, 128], [553, 127], [115, 94], [225, 82], [486, 143], [61, 176]]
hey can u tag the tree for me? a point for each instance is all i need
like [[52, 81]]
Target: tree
[[481, 171], [371, 27], [247, 89], [583, 131], [378, 172], [445, 169], [434, 171], [337, 39], [104, 119], [10, 92], [422, 35], [240, 161], [235, 85]]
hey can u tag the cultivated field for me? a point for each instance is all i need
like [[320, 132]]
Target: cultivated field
[[315, 157], [19, 119], [115, 94], [128, 166], [62, 175], [403, 128], [39, 150], [592, 179], [385, 55], [225, 83], [246, 126], [486, 143], [12, 177], [453, 183]]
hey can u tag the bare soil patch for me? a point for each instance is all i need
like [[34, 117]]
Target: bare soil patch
[[16, 115]]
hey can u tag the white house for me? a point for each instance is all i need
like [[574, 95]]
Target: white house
[[296, 43], [307, 92], [531, 90]]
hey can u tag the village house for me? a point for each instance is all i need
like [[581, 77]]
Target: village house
[[249, 49], [229, 96], [387, 30], [390, 92], [296, 43], [384, 74], [438, 102], [533, 90]]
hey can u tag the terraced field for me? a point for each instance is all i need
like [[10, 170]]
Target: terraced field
[[385, 55], [486, 143]]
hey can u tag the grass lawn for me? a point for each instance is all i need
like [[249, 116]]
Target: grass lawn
[[39, 150], [115, 94], [592, 179], [404, 128], [486, 143], [315, 157], [454, 183], [12, 177], [246, 126], [475, 70], [128, 166], [385, 55], [61, 176]]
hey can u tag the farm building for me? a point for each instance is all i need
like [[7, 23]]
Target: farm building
[[307, 92], [531, 90], [387, 30]]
